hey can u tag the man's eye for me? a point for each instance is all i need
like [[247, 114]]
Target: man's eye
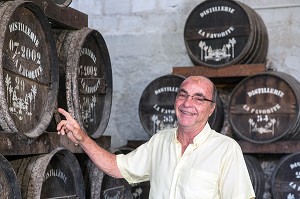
[[198, 99]]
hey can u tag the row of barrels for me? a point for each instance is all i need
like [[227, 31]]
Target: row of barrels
[[60, 174], [262, 108], [42, 68]]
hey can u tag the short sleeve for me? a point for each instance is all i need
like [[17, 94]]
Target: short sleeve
[[135, 166]]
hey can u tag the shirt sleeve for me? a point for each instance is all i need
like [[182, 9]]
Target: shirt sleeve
[[135, 166], [235, 180]]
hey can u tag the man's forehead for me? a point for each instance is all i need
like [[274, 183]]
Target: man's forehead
[[197, 85]]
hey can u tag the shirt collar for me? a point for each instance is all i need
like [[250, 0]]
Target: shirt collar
[[200, 138]]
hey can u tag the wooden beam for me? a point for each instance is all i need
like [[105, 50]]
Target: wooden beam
[[63, 17], [241, 70], [16, 144], [278, 147]]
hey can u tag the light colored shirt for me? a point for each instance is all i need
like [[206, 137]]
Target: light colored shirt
[[213, 167]]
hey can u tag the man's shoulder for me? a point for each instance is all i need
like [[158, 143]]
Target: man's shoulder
[[225, 139], [164, 134]]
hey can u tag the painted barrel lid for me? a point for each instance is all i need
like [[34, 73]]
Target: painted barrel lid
[[264, 108], [85, 84], [28, 69], [285, 182], [220, 33]]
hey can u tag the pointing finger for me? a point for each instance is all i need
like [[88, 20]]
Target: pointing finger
[[67, 115]]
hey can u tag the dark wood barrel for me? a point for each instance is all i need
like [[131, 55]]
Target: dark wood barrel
[[9, 187], [156, 106], [28, 69], [220, 33], [54, 175], [85, 84], [264, 108], [63, 3], [257, 175], [101, 185], [285, 182]]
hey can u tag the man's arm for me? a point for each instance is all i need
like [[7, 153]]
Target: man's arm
[[103, 159]]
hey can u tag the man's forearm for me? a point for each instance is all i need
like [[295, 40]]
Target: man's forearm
[[103, 159]]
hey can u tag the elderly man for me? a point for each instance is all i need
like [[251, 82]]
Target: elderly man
[[190, 161]]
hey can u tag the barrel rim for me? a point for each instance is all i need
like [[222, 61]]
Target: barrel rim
[[257, 169], [10, 176]]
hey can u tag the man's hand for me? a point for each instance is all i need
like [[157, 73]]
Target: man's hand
[[70, 127]]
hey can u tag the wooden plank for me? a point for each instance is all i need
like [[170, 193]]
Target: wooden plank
[[279, 147], [242, 70], [61, 16], [15, 144]]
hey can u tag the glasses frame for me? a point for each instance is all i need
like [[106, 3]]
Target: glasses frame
[[186, 96]]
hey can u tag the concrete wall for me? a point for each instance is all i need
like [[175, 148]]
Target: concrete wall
[[145, 40]]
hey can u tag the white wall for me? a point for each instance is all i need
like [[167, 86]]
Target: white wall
[[145, 40]]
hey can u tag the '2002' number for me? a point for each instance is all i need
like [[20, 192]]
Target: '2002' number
[[27, 53]]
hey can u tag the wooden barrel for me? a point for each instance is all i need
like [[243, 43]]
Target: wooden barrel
[[285, 182], [264, 108], [28, 69], [63, 3], [156, 106], [54, 175], [9, 187], [101, 185], [257, 175], [85, 84], [220, 33]]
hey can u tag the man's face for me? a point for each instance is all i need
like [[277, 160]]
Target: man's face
[[192, 104]]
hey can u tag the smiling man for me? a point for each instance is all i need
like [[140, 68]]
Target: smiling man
[[190, 161]]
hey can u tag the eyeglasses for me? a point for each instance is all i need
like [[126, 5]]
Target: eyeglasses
[[197, 99]]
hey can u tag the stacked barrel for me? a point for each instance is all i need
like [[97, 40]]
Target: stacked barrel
[[48, 61], [156, 106]]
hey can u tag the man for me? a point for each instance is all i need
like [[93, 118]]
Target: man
[[191, 161]]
